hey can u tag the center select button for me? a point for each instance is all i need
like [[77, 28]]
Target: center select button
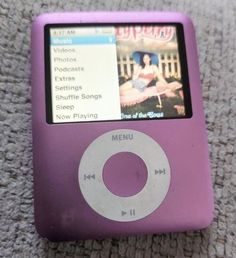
[[125, 174], [107, 202]]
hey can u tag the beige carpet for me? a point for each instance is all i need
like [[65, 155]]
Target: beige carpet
[[215, 23]]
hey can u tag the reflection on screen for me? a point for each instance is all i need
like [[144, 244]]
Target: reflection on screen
[[115, 73]]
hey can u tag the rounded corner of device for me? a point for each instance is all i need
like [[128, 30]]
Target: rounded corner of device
[[44, 232], [206, 220], [185, 18], [39, 229], [39, 20]]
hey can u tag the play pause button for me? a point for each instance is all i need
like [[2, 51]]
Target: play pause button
[[130, 212], [123, 213]]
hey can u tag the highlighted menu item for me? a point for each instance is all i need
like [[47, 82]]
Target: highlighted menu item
[[84, 76]]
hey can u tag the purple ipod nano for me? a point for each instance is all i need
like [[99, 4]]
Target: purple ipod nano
[[119, 138]]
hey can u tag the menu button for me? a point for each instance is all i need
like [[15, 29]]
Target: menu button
[[122, 137]]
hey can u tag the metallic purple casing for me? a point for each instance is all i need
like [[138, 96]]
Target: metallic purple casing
[[61, 213]]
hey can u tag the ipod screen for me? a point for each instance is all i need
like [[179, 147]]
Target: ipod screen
[[116, 72]]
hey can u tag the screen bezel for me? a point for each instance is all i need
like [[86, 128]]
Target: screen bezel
[[183, 65]]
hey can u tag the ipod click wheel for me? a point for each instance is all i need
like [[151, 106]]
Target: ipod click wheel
[[128, 145]]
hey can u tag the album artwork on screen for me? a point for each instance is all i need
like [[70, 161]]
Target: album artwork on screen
[[122, 72], [150, 78]]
